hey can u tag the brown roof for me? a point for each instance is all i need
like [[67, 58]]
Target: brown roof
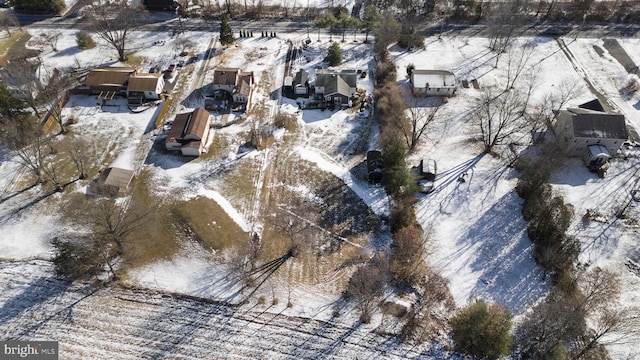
[[193, 123], [144, 82], [246, 79], [225, 76], [109, 75], [117, 177]]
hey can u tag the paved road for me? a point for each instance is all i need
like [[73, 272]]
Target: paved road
[[160, 21]]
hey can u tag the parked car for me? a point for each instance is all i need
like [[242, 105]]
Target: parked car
[[426, 174]]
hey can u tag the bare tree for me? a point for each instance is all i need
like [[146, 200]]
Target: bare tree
[[8, 20], [611, 323], [555, 99], [114, 21], [424, 322], [81, 153], [500, 117], [549, 328], [28, 144], [366, 286], [516, 64], [54, 95], [78, 256], [52, 39], [419, 120], [504, 20], [113, 225], [21, 74]]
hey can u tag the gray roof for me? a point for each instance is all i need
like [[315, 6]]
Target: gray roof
[[336, 82], [596, 124], [301, 78]]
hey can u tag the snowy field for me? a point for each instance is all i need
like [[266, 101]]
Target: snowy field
[[481, 242]]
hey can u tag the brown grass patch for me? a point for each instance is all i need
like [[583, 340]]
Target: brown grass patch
[[206, 222], [7, 43], [136, 60], [156, 239]]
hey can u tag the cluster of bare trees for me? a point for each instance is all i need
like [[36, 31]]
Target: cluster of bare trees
[[104, 230], [114, 21], [579, 323]]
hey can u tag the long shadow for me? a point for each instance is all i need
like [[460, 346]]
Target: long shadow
[[502, 255], [151, 126], [184, 327], [65, 313], [68, 51], [9, 197], [38, 292]]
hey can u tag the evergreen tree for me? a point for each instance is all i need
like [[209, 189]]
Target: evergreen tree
[[226, 33], [335, 55], [10, 107], [482, 330], [49, 7]]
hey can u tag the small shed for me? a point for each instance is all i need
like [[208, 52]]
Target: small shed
[[288, 82], [112, 182], [596, 156]]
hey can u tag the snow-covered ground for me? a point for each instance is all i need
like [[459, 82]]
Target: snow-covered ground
[[479, 234]]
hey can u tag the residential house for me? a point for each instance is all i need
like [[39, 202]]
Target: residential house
[[432, 82], [144, 86], [189, 133], [108, 81], [235, 82], [112, 182], [594, 135], [301, 83], [336, 87]]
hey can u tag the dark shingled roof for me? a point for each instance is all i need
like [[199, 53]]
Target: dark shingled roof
[[596, 124]]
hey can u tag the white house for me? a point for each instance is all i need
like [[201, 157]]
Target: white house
[[433, 82], [234, 81], [144, 86], [593, 135]]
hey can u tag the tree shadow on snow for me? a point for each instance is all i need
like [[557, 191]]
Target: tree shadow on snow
[[502, 254]]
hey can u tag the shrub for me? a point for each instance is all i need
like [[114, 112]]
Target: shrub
[[408, 41], [403, 214], [366, 286], [50, 7], [406, 265], [385, 72], [84, 40], [287, 121], [482, 330]]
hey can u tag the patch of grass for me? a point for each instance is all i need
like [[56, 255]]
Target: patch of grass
[[156, 239], [7, 43], [207, 223], [239, 184], [136, 60], [218, 146]]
